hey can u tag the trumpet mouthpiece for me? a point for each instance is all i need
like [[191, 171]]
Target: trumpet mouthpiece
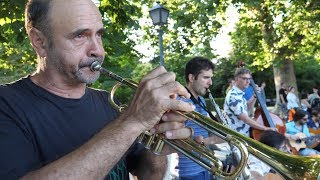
[[95, 66]]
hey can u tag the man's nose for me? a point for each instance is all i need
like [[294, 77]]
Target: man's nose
[[95, 48]]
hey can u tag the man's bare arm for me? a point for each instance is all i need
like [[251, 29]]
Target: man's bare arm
[[94, 159], [252, 123], [251, 102]]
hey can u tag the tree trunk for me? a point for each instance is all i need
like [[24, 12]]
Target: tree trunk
[[283, 71]]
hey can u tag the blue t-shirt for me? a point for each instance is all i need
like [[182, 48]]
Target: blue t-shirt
[[248, 93], [292, 129], [186, 166]]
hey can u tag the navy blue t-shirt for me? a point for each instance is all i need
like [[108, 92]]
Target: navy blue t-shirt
[[38, 127]]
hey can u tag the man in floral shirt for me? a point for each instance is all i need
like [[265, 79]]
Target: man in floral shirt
[[236, 109], [236, 106]]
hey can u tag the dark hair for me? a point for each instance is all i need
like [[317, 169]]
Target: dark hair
[[196, 65], [304, 95], [240, 71], [299, 114], [272, 138], [230, 80], [315, 111], [37, 16]]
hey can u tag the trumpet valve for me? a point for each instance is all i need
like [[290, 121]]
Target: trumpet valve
[[140, 138], [148, 141], [157, 145]]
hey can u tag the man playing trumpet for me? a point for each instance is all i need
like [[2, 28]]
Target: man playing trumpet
[[52, 126]]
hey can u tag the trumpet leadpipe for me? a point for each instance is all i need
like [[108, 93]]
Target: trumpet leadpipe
[[96, 66]]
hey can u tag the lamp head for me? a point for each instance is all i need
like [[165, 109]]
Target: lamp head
[[159, 14]]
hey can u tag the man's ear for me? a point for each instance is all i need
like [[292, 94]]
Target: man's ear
[[38, 41], [191, 77]]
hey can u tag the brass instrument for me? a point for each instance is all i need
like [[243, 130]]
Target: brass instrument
[[245, 173], [287, 165], [191, 149]]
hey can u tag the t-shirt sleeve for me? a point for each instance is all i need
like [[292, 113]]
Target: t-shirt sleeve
[[290, 129], [17, 152], [236, 106], [306, 130]]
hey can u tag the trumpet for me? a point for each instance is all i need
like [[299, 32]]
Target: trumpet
[[287, 165], [191, 149]]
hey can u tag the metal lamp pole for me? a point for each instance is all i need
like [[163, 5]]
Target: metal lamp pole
[[159, 15], [161, 47]]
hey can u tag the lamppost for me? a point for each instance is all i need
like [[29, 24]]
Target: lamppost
[[159, 15]]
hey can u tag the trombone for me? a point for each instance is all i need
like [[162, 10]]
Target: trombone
[[245, 173], [287, 165]]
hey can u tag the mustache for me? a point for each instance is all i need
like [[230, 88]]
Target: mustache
[[89, 61]]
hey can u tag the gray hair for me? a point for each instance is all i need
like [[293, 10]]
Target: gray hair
[[37, 16], [241, 70]]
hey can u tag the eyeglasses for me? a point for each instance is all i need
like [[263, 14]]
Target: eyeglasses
[[245, 78]]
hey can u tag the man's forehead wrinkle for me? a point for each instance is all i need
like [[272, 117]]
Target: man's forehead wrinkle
[[78, 13], [78, 8]]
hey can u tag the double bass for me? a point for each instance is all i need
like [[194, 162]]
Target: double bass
[[262, 115], [266, 118]]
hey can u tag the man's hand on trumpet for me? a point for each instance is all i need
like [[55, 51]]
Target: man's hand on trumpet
[[154, 104], [154, 108]]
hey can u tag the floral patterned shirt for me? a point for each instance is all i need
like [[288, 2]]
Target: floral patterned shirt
[[234, 105]]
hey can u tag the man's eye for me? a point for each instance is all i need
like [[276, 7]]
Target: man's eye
[[99, 34], [79, 36]]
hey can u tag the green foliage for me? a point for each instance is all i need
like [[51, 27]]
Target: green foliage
[[272, 31], [308, 74], [193, 24], [222, 74], [268, 32], [16, 54]]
